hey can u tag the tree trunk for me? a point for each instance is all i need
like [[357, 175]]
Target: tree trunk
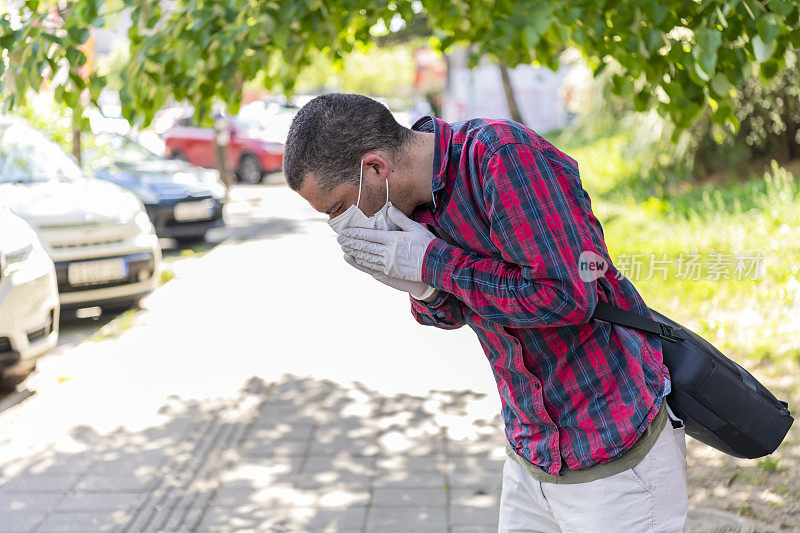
[[76, 135], [221, 140], [511, 100]]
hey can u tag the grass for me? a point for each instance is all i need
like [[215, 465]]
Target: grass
[[768, 464], [166, 274], [122, 322], [755, 222]]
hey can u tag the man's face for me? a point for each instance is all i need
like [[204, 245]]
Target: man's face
[[373, 194]]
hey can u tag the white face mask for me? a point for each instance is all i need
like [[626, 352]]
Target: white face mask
[[354, 217]]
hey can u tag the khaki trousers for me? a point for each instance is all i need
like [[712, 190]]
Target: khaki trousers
[[648, 497]]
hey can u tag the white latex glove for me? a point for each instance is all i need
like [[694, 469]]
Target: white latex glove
[[417, 289], [398, 254]]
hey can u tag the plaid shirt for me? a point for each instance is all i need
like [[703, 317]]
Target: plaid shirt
[[513, 219]]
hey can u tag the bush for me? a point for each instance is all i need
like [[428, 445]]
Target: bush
[[769, 117]]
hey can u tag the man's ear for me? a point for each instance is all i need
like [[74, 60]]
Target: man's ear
[[377, 162]]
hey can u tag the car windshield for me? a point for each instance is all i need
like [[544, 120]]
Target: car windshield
[[108, 148], [26, 155]]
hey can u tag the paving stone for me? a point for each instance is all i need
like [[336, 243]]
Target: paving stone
[[337, 496], [98, 501], [260, 448], [465, 516], [475, 498], [344, 464], [93, 521], [488, 481], [417, 519], [406, 479], [320, 480], [396, 443], [345, 432], [252, 518], [268, 497], [28, 503], [257, 476], [56, 466], [474, 529], [123, 468], [279, 428], [193, 516], [31, 483], [361, 447], [387, 465], [18, 522], [483, 446], [408, 497], [291, 465], [350, 518], [113, 483], [474, 464]]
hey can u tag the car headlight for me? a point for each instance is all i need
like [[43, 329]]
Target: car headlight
[[217, 190], [142, 222], [19, 255]]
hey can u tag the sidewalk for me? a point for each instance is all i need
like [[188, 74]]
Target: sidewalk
[[299, 455]]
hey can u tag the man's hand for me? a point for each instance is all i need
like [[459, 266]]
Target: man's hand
[[397, 254], [417, 289]]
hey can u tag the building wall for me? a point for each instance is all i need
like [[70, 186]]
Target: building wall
[[479, 93]]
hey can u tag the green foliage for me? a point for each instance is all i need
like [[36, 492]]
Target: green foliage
[[748, 319], [677, 57], [52, 118], [381, 71], [769, 118], [35, 49]]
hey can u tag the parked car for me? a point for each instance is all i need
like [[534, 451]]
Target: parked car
[[183, 201], [251, 153], [29, 309], [98, 234]]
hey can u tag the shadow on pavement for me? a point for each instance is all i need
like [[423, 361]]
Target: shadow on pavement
[[296, 455]]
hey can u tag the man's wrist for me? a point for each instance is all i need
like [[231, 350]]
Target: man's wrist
[[430, 295]]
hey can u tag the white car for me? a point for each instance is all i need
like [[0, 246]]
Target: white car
[[29, 307], [98, 234]]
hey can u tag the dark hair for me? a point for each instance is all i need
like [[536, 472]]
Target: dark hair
[[331, 133]]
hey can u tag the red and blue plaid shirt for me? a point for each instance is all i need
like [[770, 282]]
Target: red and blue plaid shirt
[[513, 219]]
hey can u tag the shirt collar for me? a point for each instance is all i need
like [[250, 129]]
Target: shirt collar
[[441, 147]]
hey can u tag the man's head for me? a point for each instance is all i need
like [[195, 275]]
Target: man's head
[[327, 142]]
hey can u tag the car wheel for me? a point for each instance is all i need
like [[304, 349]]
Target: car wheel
[[249, 170], [121, 307], [184, 242], [9, 381], [179, 155]]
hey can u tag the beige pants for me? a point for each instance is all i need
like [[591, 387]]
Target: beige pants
[[649, 497]]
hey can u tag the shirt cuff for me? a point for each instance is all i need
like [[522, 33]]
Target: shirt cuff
[[438, 262], [437, 302]]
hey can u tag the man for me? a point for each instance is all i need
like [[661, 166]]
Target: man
[[589, 447]]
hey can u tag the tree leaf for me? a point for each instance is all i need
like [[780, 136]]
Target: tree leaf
[[783, 8], [761, 50], [768, 28]]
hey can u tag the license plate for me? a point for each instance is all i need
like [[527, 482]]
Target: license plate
[[203, 209], [96, 272]]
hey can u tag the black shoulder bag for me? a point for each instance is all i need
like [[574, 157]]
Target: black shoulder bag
[[721, 403]]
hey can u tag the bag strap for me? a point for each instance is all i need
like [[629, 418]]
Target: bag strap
[[623, 317]]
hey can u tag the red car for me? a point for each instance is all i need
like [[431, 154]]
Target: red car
[[250, 154]]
